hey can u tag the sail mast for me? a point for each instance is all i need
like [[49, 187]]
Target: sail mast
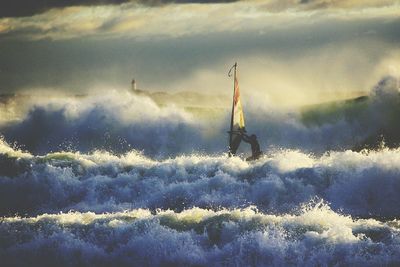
[[233, 108]]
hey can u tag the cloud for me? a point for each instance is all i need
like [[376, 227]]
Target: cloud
[[140, 21], [189, 47], [316, 4], [298, 52], [22, 8], [282, 5]]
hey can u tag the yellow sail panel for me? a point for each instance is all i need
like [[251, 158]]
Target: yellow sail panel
[[238, 116]]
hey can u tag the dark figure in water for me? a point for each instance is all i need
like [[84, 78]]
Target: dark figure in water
[[255, 146]]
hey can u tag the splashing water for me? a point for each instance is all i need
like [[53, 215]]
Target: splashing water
[[120, 181]]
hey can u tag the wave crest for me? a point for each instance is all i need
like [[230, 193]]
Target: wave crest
[[316, 236], [279, 182]]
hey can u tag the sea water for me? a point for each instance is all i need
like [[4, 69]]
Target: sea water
[[116, 180]]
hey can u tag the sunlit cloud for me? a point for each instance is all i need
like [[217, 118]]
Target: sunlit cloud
[[310, 50], [5, 26], [173, 20]]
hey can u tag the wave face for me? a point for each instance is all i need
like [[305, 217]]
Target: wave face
[[120, 121], [100, 209], [114, 122], [117, 180], [278, 183]]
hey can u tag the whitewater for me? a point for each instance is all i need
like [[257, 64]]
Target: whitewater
[[116, 180]]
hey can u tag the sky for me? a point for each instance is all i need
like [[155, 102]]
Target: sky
[[288, 51]]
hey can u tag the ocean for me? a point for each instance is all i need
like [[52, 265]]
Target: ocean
[[117, 180]]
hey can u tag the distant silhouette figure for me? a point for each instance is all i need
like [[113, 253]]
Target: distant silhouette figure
[[255, 146]]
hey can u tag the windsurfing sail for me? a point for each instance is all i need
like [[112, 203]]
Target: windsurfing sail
[[237, 117]]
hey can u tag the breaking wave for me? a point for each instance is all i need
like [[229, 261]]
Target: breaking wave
[[278, 183], [117, 180], [316, 236], [121, 121], [114, 122]]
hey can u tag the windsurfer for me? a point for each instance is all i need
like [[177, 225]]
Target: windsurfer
[[237, 131]]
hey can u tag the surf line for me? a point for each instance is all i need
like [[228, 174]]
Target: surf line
[[237, 131]]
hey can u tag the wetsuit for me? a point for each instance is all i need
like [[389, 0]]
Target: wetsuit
[[255, 146]]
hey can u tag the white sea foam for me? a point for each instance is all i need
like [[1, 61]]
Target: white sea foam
[[358, 183], [167, 194], [120, 121], [316, 236]]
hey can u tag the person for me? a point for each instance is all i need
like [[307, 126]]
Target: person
[[255, 146]]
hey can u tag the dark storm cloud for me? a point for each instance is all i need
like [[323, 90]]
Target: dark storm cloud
[[21, 8]]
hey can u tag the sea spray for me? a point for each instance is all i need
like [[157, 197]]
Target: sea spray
[[362, 184], [120, 121], [316, 236], [119, 180]]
